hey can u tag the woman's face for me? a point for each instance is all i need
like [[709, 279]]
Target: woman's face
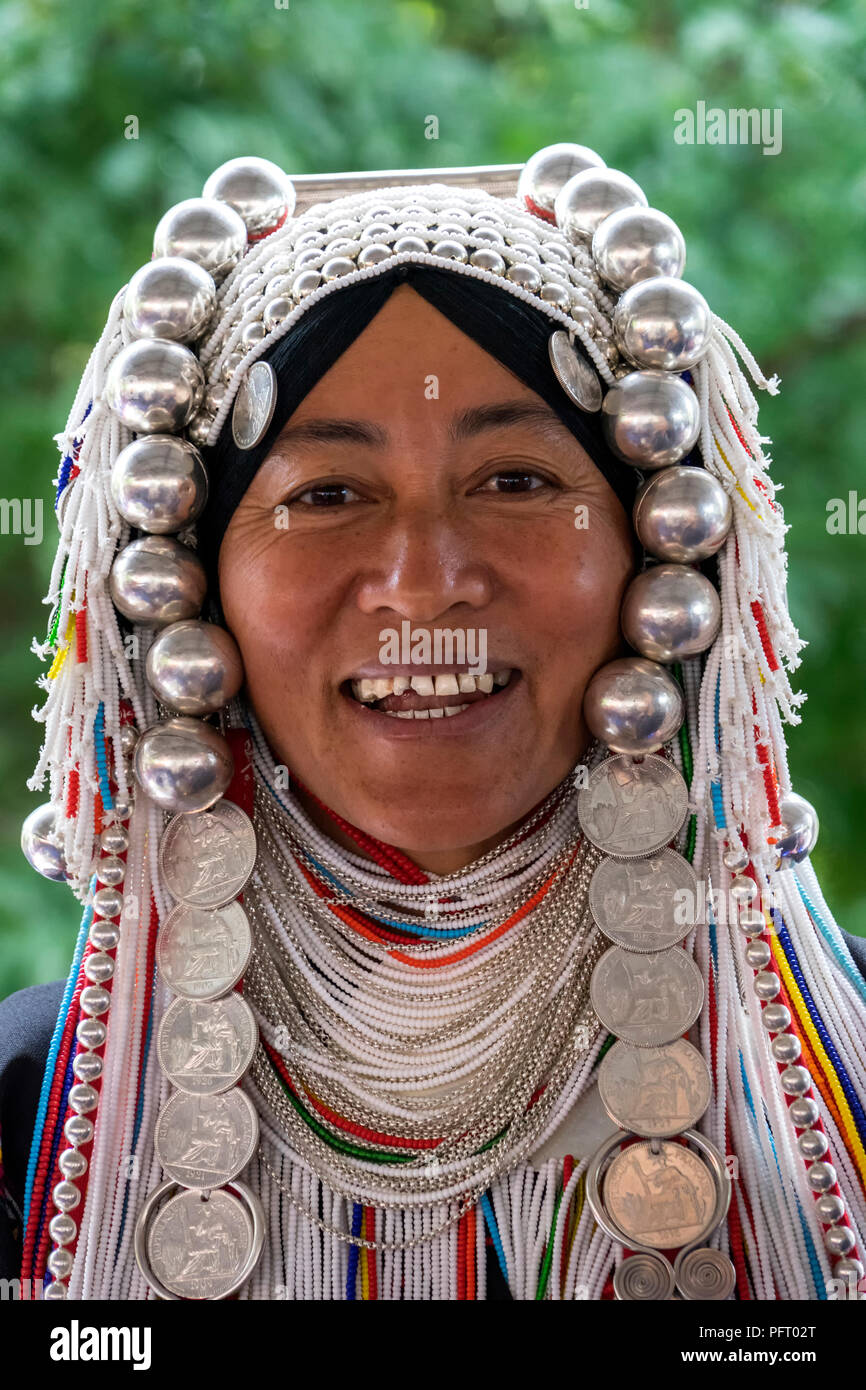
[[422, 489]]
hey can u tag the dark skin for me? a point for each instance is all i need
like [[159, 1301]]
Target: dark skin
[[456, 512]]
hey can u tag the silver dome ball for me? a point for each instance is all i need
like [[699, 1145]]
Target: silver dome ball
[[651, 419], [155, 386], [682, 514], [663, 323], [194, 667], [202, 230], [545, 172], [798, 834], [159, 484], [199, 428], [671, 612], [169, 298], [636, 244], [38, 844], [592, 195], [633, 705], [156, 581], [183, 765], [258, 190]]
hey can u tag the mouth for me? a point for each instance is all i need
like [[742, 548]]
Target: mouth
[[425, 696]]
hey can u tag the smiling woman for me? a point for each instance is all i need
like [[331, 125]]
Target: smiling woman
[[484, 914]]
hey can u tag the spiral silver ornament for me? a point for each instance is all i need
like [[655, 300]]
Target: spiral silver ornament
[[705, 1274], [643, 1277]]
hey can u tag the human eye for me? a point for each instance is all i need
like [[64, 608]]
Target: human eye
[[327, 493], [508, 481]]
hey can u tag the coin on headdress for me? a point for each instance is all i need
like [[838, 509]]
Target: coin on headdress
[[206, 857], [205, 1046], [649, 999], [663, 1199], [254, 405], [630, 808], [645, 904], [199, 1246], [574, 372], [205, 1141], [202, 953], [654, 1091]]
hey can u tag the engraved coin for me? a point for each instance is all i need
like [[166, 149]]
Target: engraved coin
[[632, 808], [206, 857], [649, 999], [205, 1141], [202, 953], [664, 1199], [645, 904], [199, 1246], [574, 372], [254, 405], [655, 1092], [205, 1046]]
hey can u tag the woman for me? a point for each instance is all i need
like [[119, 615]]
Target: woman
[[395, 1004]]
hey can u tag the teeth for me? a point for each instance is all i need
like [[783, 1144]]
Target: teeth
[[485, 683], [422, 713], [447, 712], [446, 685], [466, 684], [454, 709], [401, 683], [368, 690], [501, 677], [423, 685]]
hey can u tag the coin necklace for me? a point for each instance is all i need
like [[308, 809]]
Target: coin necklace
[[655, 1194]]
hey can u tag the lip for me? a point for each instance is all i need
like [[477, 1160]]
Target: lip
[[481, 716], [374, 671]]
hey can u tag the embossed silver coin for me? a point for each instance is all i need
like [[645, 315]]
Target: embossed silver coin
[[205, 1141], [656, 1092], [574, 372], [630, 808], [648, 1000], [645, 904], [202, 953], [205, 1046], [254, 405], [206, 857], [663, 1199], [199, 1246]]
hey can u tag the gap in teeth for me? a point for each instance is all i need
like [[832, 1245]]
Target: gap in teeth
[[370, 690]]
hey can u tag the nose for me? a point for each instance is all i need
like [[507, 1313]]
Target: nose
[[428, 565]]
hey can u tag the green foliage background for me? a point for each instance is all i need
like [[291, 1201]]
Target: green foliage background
[[776, 243]]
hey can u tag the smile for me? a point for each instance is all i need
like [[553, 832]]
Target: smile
[[424, 696]]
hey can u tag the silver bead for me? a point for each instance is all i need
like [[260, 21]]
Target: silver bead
[[38, 845], [194, 667], [766, 984], [804, 1112], [78, 1130], [525, 275], [829, 1207], [91, 1032], [62, 1229], [159, 484], [169, 297], [490, 236], [786, 1048], [758, 954], [230, 366], [375, 232], [812, 1143], [83, 1098], [114, 839], [71, 1163], [587, 198], [128, 740], [651, 419], [752, 922], [56, 1292], [735, 859], [411, 245], [213, 398], [373, 253], [107, 902], [275, 311], [209, 233], [545, 172], [252, 333], [66, 1196], [682, 514], [775, 1018], [95, 1000], [59, 1263], [199, 428], [671, 612], [104, 935], [638, 244], [337, 267], [183, 765], [156, 581], [848, 1268], [450, 251], [662, 323], [633, 705], [743, 890], [821, 1176], [245, 283], [122, 808], [87, 1066], [111, 871], [797, 835], [304, 283], [795, 1081], [485, 258], [98, 968], [154, 386], [840, 1240], [258, 190], [556, 294]]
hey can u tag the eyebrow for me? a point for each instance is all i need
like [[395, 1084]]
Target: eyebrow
[[465, 425]]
